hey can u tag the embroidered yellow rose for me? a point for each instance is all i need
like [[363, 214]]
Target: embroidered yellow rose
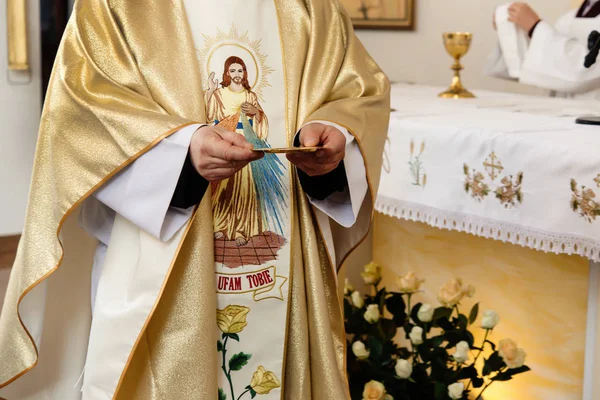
[[264, 381], [232, 319]]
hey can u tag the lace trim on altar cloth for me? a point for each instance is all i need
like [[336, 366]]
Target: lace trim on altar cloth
[[536, 239]]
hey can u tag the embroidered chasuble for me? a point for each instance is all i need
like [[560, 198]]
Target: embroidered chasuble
[[242, 301]]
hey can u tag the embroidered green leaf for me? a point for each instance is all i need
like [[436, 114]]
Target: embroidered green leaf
[[238, 361], [219, 345], [252, 393], [222, 395], [234, 336]]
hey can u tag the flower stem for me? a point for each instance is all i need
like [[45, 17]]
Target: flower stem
[[227, 374], [487, 332], [243, 394], [483, 390]]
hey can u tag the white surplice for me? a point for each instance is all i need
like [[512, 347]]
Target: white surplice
[[553, 57]]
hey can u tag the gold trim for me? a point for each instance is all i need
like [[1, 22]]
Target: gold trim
[[370, 187], [61, 223], [294, 210], [17, 35]]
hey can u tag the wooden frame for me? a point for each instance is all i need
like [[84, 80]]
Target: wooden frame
[[381, 14], [17, 35]]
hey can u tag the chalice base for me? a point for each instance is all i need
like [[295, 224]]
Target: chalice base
[[452, 93]]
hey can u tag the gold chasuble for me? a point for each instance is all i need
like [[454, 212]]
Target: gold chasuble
[[242, 301]]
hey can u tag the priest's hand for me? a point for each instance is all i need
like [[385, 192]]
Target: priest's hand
[[218, 153], [523, 16], [324, 160]]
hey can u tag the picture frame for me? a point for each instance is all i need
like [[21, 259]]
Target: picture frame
[[381, 14]]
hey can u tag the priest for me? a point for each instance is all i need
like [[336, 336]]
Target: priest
[[170, 251], [549, 57]]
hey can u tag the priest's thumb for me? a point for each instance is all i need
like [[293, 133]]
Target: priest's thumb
[[310, 137]]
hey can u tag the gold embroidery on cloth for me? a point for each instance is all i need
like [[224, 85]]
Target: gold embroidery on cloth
[[508, 191], [419, 177], [583, 201]]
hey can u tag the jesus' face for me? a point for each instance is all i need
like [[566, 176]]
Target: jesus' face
[[236, 73]]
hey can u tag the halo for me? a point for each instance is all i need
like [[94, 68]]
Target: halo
[[216, 61], [224, 44]]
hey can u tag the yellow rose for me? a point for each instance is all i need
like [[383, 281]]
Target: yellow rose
[[374, 391], [372, 274], [264, 381], [232, 319], [513, 356], [409, 283], [453, 292]]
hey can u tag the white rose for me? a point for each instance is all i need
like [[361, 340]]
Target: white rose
[[513, 356], [374, 391], [455, 391], [372, 273], [425, 313], [357, 299], [360, 351], [416, 335], [403, 368], [453, 292], [409, 283], [489, 320], [348, 288], [372, 313], [462, 352]]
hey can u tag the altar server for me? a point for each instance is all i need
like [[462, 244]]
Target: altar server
[[534, 52]]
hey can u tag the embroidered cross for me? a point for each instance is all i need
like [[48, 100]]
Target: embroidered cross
[[597, 180], [491, 164]]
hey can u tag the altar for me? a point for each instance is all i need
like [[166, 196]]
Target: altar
[[518, 170]]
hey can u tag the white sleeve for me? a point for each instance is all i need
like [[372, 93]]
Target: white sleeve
[[555, 61], [495, 65], [142, 192], [343, 207]]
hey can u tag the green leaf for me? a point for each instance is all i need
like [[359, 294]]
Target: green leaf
[[222, 395], [414, 314], [395, 305], [520, 370], [375, 346], [440, 391], [477, 382], [234, 336], [238, 361], [219, 345], [462, 321], [503, 376], [473, 313], [469, 372], [252, 393], [493, 364], [442, 312]]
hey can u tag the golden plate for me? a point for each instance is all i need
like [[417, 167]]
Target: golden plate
[[287, 150]]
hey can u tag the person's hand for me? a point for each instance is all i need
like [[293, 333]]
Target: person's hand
[[249, 109], [217, 153], [523, 16], [324, 160]]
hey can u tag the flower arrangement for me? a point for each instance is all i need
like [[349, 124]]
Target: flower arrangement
[[440, 360]]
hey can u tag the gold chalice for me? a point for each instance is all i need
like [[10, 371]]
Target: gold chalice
[[457, 44]]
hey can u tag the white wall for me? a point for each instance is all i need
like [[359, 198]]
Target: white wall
[[420, 57], [19, 118]]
